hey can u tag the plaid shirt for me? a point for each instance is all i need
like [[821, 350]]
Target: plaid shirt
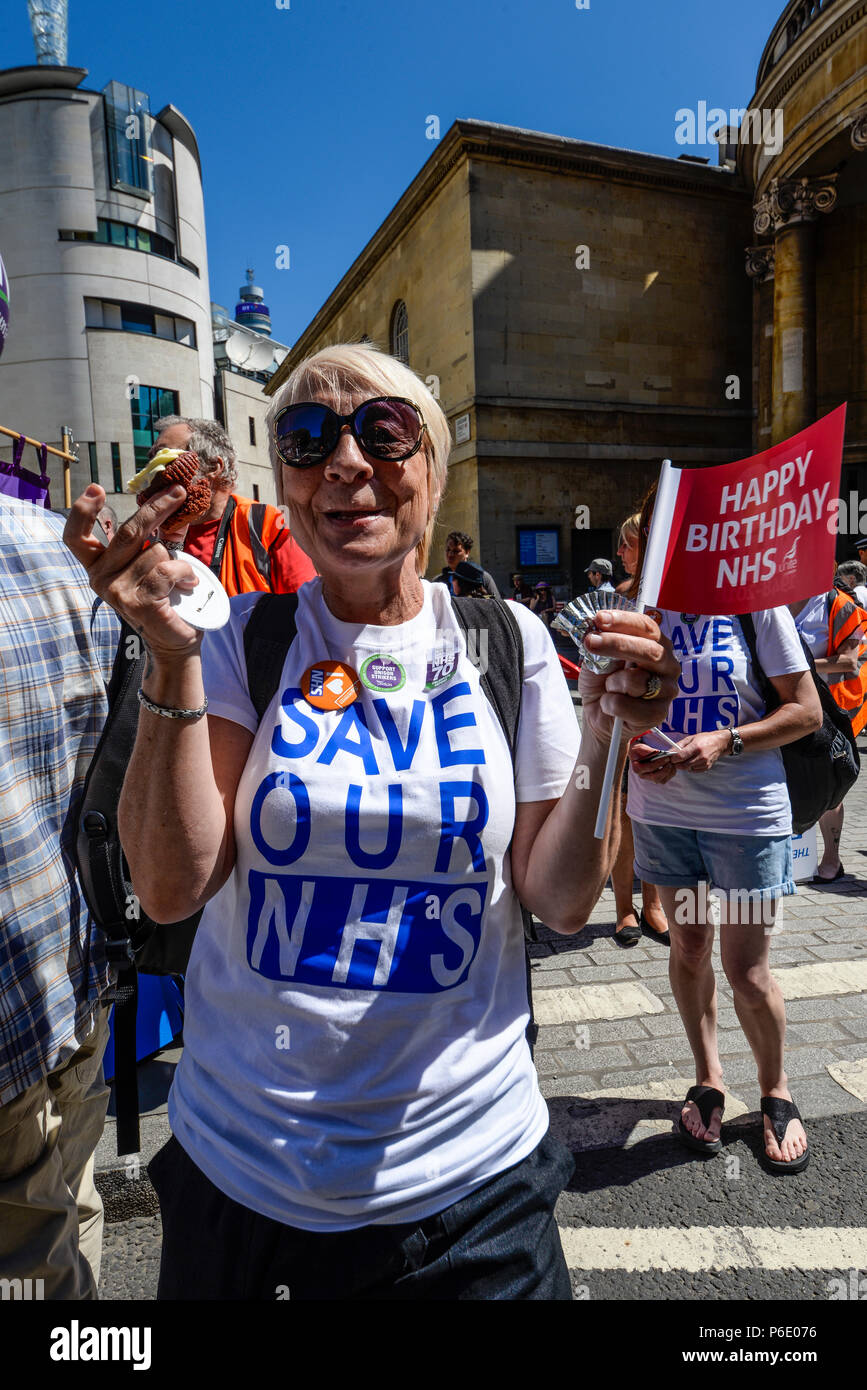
[[57, 644]]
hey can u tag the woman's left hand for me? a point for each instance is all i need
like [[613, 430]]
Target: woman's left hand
[[699, 752], [635, 642]]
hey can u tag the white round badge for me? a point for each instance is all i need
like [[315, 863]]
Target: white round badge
[[207, 607]]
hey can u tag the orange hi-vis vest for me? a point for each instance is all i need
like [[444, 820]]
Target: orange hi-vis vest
[[845, 620], [254, 527]]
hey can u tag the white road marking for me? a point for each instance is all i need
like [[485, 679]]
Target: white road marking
[[700, 1248], [852, 1076], [584, 1002], [826, 977]]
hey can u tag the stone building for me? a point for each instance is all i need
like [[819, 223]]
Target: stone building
[[809, 268], [584, 311]]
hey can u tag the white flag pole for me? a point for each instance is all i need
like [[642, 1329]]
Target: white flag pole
[[648, 593]]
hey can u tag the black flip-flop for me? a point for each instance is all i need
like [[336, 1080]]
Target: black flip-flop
[[780, 1112], [706, 1099]]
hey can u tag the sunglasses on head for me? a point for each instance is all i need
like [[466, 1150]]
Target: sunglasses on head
[[388, 428]]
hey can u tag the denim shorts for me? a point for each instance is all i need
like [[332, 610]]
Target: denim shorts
[[672, 857]]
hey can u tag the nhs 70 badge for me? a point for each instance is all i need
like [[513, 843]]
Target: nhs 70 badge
[[443, 662]]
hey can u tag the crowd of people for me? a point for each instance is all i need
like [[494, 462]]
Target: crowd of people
[[356, 1113]]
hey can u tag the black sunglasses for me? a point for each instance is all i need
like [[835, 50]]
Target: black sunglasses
[[388, 428]]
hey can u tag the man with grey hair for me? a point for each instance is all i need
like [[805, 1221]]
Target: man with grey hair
[[247, 544], [852, 575]]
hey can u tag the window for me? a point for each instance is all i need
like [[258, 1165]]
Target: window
[[124, 317], [252, 429], [128, 132], [255, 492], [152, 403], [94, 466], [115, 468], [124, 234], [400, 332]]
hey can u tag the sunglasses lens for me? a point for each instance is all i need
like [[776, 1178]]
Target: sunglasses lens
[[388, 429], [303, 434]]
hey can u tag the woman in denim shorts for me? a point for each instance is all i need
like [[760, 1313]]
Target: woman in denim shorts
[[715, 815]]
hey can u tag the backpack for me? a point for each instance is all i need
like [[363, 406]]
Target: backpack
[[134, 942], [822, 766]]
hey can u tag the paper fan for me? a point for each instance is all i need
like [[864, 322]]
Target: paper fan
[[578, 618]]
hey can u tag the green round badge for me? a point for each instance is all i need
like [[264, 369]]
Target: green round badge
[[382, 672]]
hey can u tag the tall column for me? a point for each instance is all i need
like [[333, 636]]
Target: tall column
[[760, 268], [789, 209]]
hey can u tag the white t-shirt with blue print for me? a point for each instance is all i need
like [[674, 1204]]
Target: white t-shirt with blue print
[[717, 689], [356, 1007]]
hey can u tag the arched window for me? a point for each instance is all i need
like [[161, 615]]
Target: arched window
[[400, 332]]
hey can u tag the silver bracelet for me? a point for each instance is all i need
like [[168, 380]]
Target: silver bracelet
[[168, 712]]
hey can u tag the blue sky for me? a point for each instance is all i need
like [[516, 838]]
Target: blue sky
[[311, 120]]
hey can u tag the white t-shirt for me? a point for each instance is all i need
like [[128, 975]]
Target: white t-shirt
[[812, 624], [743, 795], [356, 1001]]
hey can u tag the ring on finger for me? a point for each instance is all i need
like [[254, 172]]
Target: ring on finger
[[654, 685]]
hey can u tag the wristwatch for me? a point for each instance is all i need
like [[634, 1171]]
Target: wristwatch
[[737, 743]]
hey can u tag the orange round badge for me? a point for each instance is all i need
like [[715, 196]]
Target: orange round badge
[[330, 685]]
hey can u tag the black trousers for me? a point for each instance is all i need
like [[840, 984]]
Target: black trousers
[[500, 1242]]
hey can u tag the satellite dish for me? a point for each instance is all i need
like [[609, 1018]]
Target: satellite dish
[[237, 349], [260, 357]]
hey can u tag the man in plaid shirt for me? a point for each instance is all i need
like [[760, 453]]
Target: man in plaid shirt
[[57, 644]]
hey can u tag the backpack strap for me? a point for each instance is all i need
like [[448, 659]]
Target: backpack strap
[[768, 693], [261, 554], [269, 634], [501, 677]]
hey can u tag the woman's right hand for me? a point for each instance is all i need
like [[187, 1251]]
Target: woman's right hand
[[136, 582]]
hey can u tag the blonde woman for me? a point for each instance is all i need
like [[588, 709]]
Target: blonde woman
[[651, 922], [356, 1114]]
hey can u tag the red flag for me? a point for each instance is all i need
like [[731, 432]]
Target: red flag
[[758, 533]]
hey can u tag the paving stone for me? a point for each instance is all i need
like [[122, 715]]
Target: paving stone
[[549, 980], [803, 1061], [852, 1076], [807, 1010], [663, 1025], [654, 967], [545, 1062], [674, 1049], [851, 1052], [598, 1030], [825, 1031], [817, 1096], [792, 955], [636, 1076], [602, 974], [595, 1059], [841, 952], [830, 936], [627, 999], [855, 1028]]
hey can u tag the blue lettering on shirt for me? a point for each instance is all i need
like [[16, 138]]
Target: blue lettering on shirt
[[707, 697], [401, 756], [340, 741], [273, 782], [443, 725], [467, 830], [279, 743], [383, 858], [363, 934]]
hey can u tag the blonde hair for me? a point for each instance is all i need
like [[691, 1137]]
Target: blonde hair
[[630, 527], [349, 369]]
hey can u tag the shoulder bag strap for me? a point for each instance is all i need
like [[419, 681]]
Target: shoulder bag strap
[[220, 542]]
